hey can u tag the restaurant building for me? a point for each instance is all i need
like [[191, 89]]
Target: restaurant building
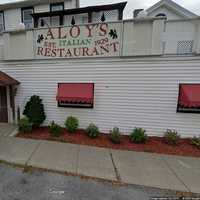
[[90, 63]]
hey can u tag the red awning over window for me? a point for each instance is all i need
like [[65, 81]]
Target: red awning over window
[[82, 93], [189, 95]]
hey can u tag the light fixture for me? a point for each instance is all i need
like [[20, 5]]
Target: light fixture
[[103, 18], [73, 21], [43, 23]]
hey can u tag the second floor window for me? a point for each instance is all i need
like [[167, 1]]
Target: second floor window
[[56, 7], [1, 22], [55, 20], [27, 18]]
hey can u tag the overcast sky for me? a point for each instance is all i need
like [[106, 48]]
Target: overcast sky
[[192, 5]]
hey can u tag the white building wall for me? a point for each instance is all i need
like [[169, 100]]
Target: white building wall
[[42, 8], [12, 19], [70, 4], [129, 92], [179, 30], [13, 16], [136, 36]]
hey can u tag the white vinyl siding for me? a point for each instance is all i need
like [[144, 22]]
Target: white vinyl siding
[[128, 92], [12, 19], [179, 37]]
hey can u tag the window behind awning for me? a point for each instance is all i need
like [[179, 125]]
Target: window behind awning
[[75, 94], [189, 97]]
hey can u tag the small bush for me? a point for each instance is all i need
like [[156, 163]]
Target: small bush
[[171, 137], [71, 124], [196, 141], [92, 131], [138, 136], [25, 126], [115, 135], [54, 129]]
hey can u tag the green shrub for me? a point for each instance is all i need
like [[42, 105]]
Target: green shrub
[[92, 131], [54, 129], [34, 110], [71, 124], [115, 135], [25, 126], [196, 141], [138, 136], [171, 137]]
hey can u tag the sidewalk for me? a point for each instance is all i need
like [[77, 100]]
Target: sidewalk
[[7, 129], [154, 170]]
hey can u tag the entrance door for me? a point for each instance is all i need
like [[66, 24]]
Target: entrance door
[[3, 105]]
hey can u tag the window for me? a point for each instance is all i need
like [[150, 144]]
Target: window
[[27, 18], [55, 20], [56, 7], [189, 98], [185, 47], [161, 15], [2, 28], [75, 95]]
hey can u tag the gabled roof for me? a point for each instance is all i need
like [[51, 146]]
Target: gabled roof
[[174, 6]]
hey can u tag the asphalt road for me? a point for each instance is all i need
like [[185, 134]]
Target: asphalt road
[[15, 184]]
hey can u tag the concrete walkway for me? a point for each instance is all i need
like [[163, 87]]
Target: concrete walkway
[[7, 129], [154, 170]]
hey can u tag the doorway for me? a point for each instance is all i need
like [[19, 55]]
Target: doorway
[[3, 105]]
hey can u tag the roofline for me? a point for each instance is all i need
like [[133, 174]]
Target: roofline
[[174, 5], [7, 80], [117, 6], [27, 3]]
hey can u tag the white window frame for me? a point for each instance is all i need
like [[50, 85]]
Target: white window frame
[[2, 22], [28, 23]]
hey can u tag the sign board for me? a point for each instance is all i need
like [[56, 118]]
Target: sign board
[[90, 40]]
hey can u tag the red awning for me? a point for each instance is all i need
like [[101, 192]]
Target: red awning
[[189, 96], [76, 92]]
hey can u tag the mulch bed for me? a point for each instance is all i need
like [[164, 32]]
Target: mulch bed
[[153, 145]]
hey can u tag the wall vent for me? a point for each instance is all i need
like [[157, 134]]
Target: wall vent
[[185, 47]]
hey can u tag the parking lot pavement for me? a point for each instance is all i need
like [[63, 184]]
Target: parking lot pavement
[[18, 185]]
